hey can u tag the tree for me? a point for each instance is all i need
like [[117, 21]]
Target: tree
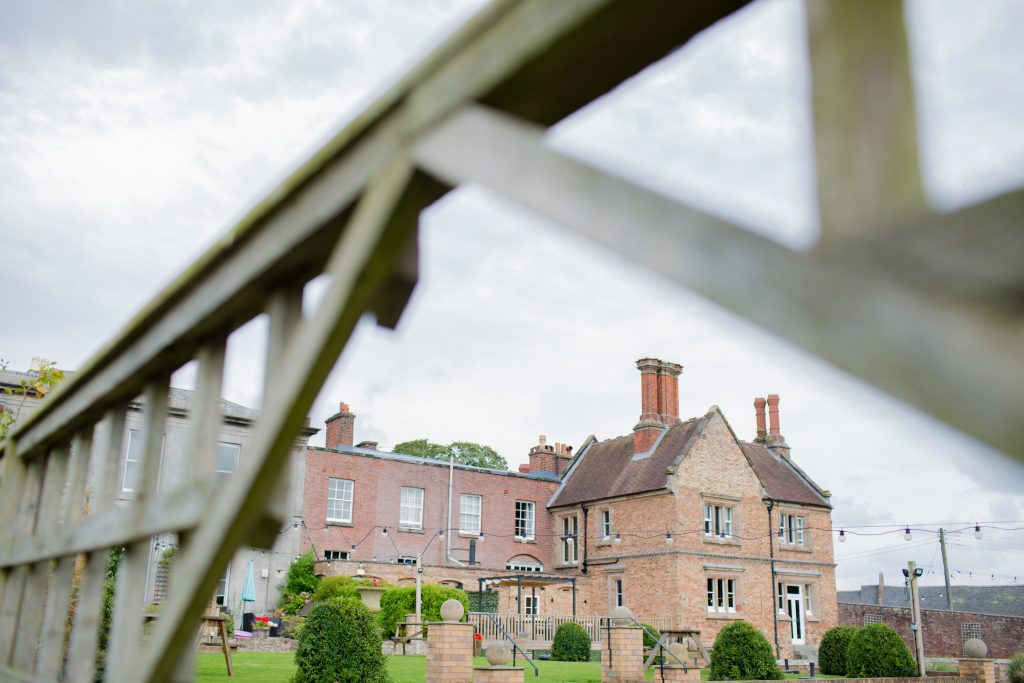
[[39, 385], [466, 452]]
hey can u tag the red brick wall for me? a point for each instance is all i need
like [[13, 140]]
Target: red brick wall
[[942, 635], [377, 491]]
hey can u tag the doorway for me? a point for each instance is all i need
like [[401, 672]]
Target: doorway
[[795, 609]]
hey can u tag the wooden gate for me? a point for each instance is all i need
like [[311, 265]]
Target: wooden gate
[[925, 306]]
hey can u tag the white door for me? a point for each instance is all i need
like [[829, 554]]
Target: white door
[[795, 609]]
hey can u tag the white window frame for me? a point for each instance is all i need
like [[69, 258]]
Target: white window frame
[[526, 512], [343, 496], [410, 508], [570, 540], [336, 554], [237, 448], [134, 437], [721, 594], [791, 529], [808, 602], [531, 605], [409, 560], [221, 598], [471, 512], [619, 597], [606, 524], [524, 566], [718, 520]]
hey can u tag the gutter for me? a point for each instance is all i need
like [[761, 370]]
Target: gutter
[[775, 584]]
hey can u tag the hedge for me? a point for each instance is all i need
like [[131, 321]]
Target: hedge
[[741, 652], [398, 601], [571, 643], [833, 648], [340, 643], [877, 651], [650, 642]]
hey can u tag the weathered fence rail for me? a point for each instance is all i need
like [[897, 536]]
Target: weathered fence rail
[[539, 630], [925, 306]]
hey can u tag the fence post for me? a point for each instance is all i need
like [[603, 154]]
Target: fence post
[[450, 647], [622, 651]]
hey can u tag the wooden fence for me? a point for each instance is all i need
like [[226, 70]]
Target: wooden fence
[[926, 306], [538, 631]]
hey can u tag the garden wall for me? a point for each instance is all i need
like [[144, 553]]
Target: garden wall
[[944, 632]]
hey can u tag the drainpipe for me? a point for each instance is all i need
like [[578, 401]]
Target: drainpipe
[[585, 534], [775, 585], [448, 529]]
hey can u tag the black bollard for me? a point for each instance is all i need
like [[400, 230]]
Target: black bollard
[[812, 669]]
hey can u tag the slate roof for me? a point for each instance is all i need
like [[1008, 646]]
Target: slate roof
[[609, 469], [1001, 600], [782, 480]]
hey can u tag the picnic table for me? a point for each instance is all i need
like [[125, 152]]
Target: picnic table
[[403, 636], [678, 635], [218, 623]]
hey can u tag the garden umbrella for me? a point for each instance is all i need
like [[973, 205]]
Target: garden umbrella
[[249, 587]]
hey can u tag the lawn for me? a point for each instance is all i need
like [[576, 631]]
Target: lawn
[[276, 667]]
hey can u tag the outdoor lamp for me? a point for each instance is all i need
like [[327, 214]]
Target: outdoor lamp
[[668, 538], [440, 533], [907, 536], [918, 572], [618, 538], [977, 532], [384, 531], [842, 536]]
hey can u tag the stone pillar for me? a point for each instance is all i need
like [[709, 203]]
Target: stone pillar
[[677, 674], [981, 670], [625, 661], [449, 652], [498, 674]]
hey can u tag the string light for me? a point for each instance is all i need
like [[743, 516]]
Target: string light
[[977, 532], [618, 538], [842, 536], [384, 531], [668, 538], [906, 535]]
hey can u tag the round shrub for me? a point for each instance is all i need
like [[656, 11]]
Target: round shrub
[[832, 650], [650, 642], [336, 587], [340, 643], [398, 601], [1016, 669], [877, 651], [571, 643], [741, 652]]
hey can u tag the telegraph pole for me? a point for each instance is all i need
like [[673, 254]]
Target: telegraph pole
[[915, 616], [945, 569]]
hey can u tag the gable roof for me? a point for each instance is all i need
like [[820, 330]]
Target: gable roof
[[608, 469], [782, 480]]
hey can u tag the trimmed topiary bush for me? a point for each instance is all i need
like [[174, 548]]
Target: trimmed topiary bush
[[399, 601], [741, 652], [571, 643], [340, 643], [650, 642], [1016, 669], [877, 651], [833, 648]]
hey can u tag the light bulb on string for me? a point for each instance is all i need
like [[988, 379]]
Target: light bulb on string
[[977, 532], [842, 536], [618, 538], [907, 536], [384, 531], [440, 533], [668, 538]]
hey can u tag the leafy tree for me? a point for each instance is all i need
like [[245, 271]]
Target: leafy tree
[[39, 386], [396, 602], [300, 575], [466, 452], [742, 653]]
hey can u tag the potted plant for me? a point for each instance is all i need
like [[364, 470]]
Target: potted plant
[[370, 593], [261, 626]]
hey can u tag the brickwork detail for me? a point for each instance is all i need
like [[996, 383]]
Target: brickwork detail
[[625, 660], [450, 653], [498, 674], [677, 674], [944, 631], [981, 670]]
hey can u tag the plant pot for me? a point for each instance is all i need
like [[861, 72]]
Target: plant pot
[[370, 595]]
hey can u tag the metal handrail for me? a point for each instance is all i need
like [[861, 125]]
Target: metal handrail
[[515, 646]]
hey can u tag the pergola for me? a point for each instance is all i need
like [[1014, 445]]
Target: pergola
[[520, 581]]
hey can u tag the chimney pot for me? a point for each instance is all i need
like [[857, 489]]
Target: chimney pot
[[762, 429], [773, 414], [340, 428]]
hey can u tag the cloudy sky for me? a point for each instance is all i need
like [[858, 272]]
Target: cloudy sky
[[131, 135]]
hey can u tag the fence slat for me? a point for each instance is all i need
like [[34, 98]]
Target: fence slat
[[19, 577]]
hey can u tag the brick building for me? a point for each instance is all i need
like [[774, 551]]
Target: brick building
[[681, 520]]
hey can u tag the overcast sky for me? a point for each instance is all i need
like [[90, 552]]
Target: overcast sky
[[131, 135]]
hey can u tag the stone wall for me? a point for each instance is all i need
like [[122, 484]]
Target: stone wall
[[944, 631]]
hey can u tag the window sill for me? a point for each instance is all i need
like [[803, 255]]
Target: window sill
[[469, 534], [333, 522], [724, 615], [716, 540], [522, 539], [410, 530], [795, 548]]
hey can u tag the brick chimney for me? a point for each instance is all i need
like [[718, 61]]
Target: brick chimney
[[775, 440], [762, 429], [659, 401], [547, 458], [340, 428]]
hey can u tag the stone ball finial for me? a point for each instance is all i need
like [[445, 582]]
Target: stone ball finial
[[975, 648], [621, 616], [499, 652], [452, 610]]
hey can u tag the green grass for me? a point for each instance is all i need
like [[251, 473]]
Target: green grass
[[278, 667]]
